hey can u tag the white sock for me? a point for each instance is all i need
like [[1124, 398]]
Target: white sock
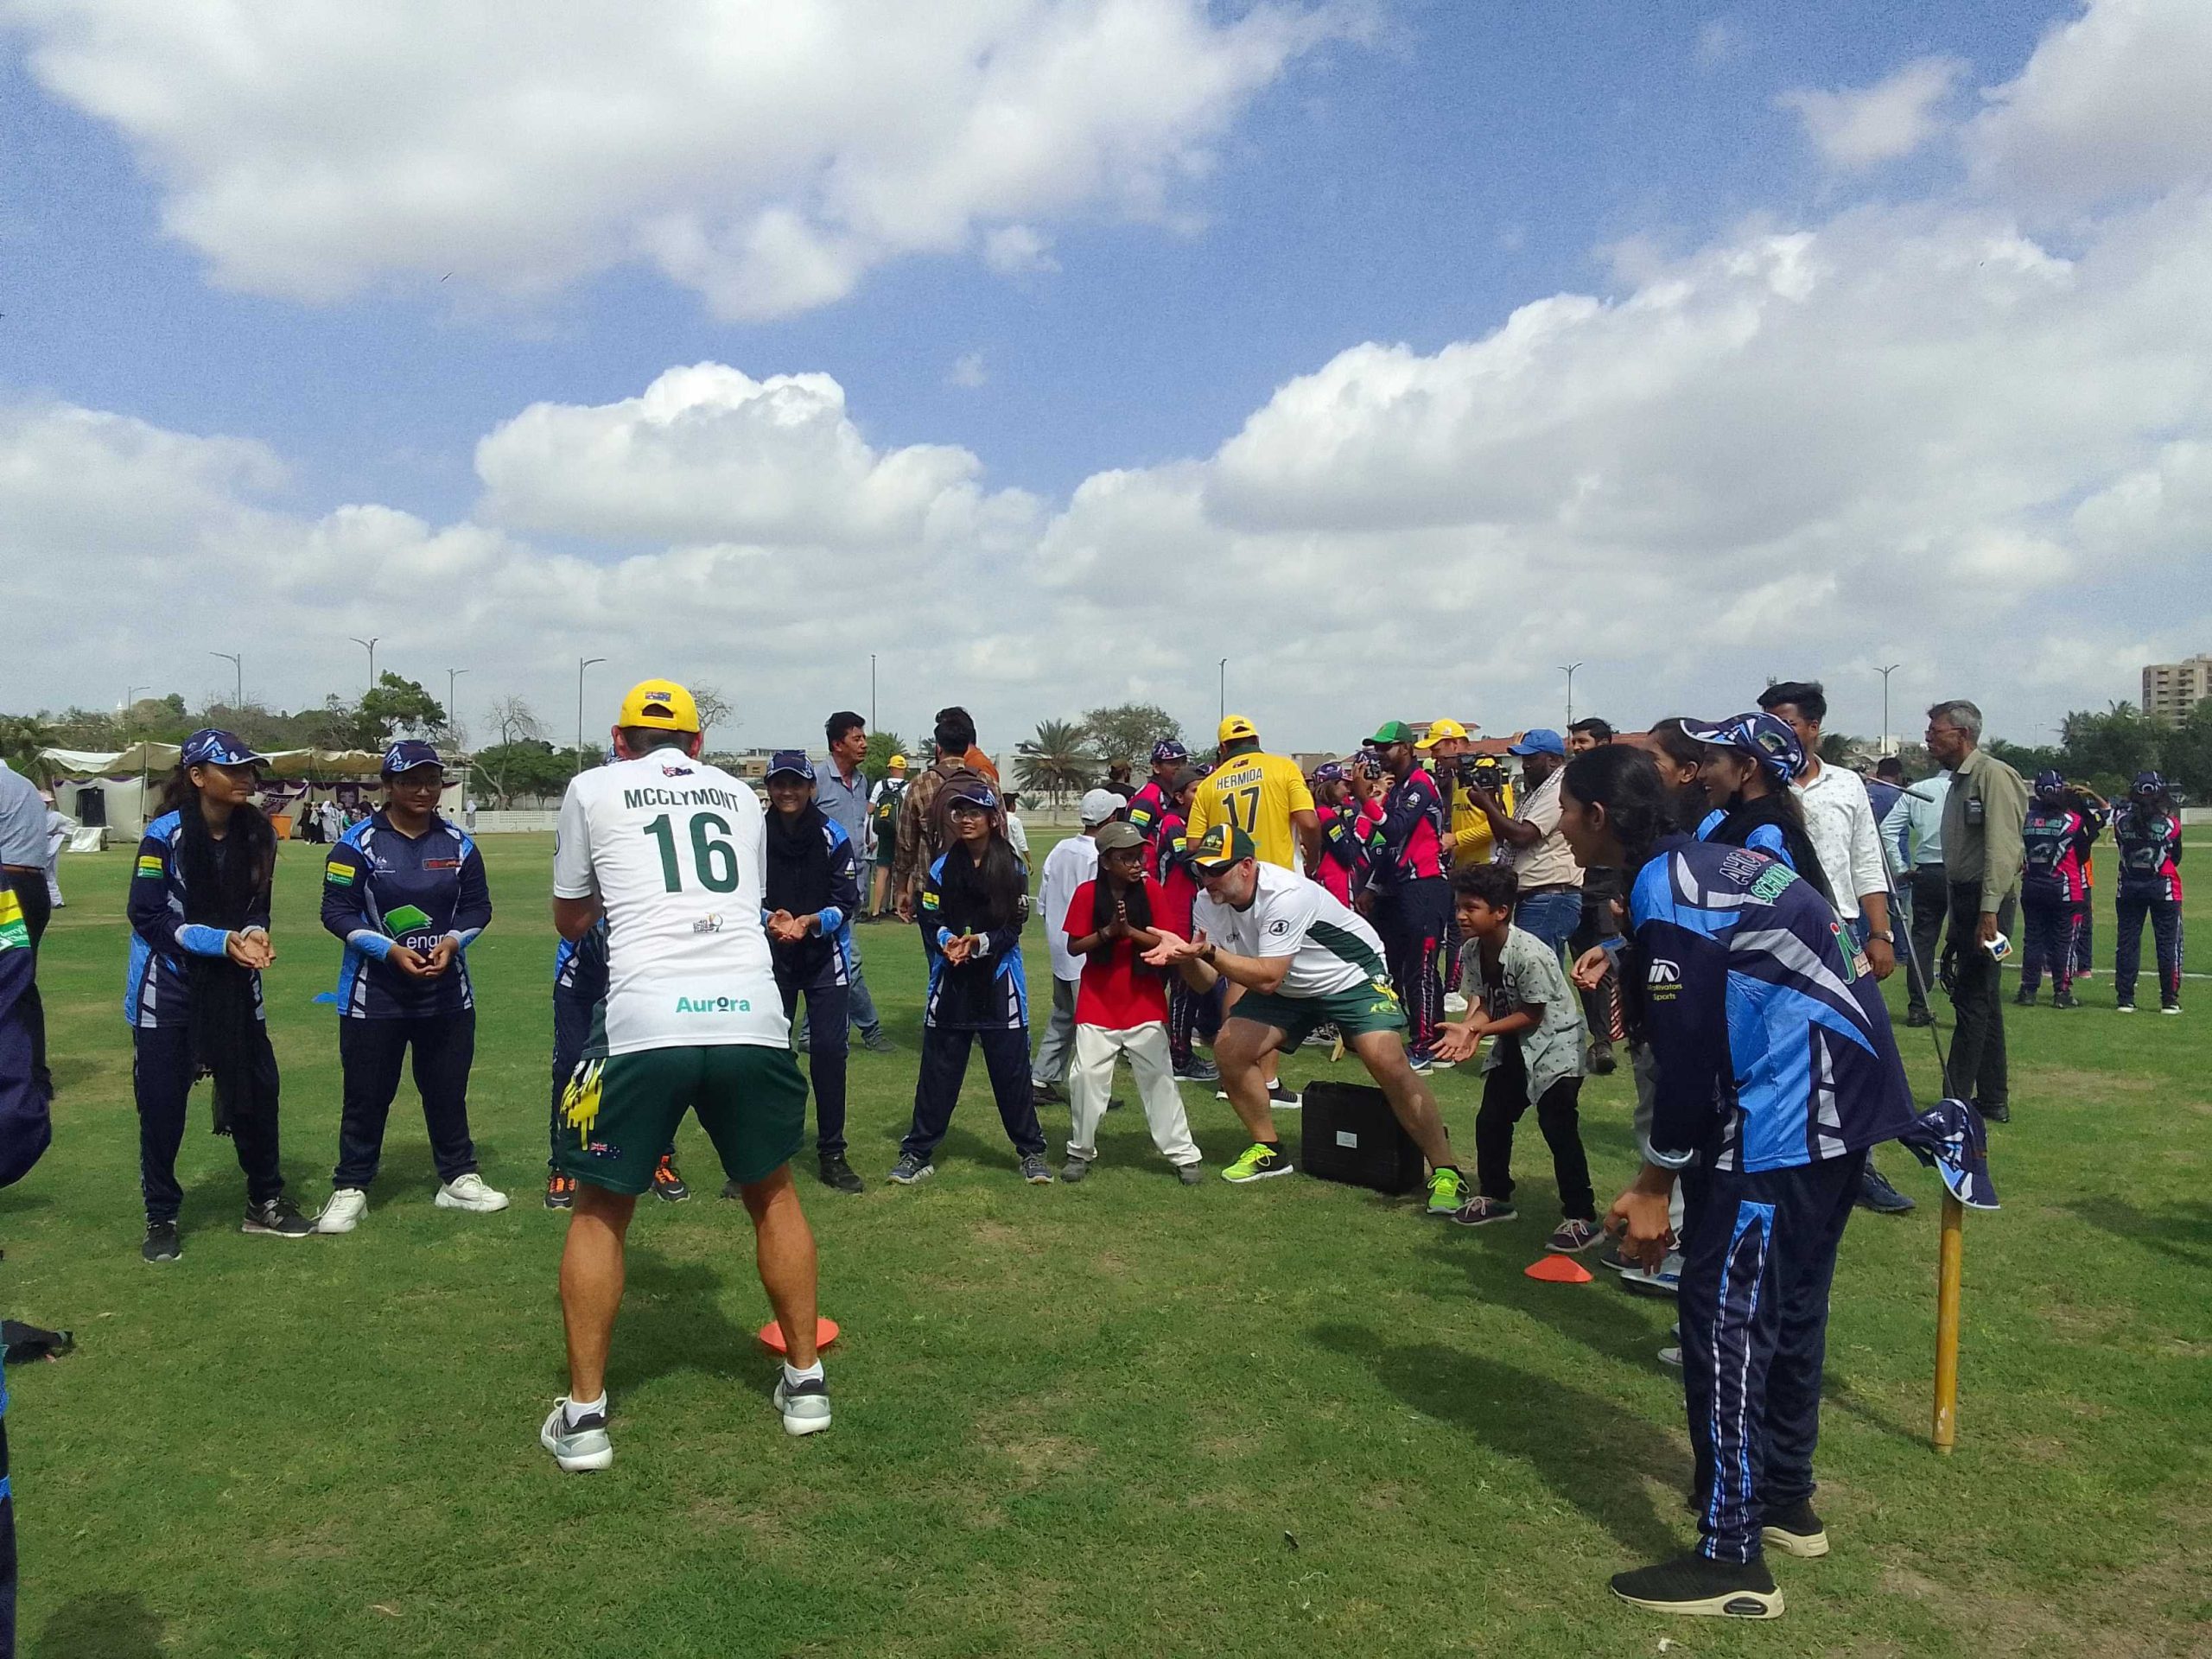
[[576, 1410], [793, 1376]]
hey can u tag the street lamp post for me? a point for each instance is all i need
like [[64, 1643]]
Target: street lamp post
[[1568, 669], [452, 674], [582, 663], [1885, 745], [237, 660], [1224, 689], [131, 697], [368, 644], [871, 692]]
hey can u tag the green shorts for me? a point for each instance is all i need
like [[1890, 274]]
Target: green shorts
[[1355, 1013], [751, 1101]]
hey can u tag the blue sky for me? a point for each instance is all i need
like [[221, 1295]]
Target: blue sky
[[1412, 181]]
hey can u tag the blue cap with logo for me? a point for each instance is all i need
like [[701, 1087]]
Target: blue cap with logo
[[1168, 749], [1766, 738], [407, 754], [2149, 783], [1543, 741], [1949, 1139], [211, 748], [791, 763], [974, 791], [2050, 781]]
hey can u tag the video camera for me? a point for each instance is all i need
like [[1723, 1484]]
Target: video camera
[[1483, 772]]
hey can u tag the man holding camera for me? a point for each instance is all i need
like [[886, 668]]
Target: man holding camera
[[1985, 817], [1551, 882]]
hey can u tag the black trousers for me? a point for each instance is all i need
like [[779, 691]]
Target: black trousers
[[370, 1053], [1758, 1252], [1505, 1099], [944, 1067], [1977, 1071], [162, 1074], [828, 1044], [1412, 918], [1600, 1007], [1191, 1014], [1932, 901], [38, 909], [2165, 938], [2050, 928]]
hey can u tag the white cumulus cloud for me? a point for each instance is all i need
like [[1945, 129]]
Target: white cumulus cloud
[[767, 152], [1859, 126]]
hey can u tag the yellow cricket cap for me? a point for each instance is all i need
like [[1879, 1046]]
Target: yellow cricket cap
[[1235, 729], [661, 703], [1439, 730], [899, 763]]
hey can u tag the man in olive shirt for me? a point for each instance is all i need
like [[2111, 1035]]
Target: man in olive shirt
[[1983, 850]]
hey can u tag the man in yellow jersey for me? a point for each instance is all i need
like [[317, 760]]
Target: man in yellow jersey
[[1264, 795], [1267, 798]]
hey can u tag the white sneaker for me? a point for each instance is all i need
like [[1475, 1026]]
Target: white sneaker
[[1454, 1002], [805, 1406], [469, 1192], [2171, 1008], [344, 1211], [577, 1446]]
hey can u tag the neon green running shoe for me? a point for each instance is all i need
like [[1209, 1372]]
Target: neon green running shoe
[[1259, 1161], [1447, 1192]]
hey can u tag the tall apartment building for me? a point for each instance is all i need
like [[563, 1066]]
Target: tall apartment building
[[2172, 689]]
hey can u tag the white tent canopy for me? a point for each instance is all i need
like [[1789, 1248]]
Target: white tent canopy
[[160, 757]]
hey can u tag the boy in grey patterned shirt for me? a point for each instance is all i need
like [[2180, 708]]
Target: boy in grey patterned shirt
[[1517, 996]]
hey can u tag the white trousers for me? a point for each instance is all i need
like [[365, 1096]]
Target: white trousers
[[1090, 1080]]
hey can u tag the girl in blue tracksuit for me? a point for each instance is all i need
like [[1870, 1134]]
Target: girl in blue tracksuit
[[404, 891], [1774, 1072], [973, 903], [199, 914]]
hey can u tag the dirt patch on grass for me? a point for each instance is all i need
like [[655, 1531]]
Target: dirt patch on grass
[[2075, 1084], [997, 1235]]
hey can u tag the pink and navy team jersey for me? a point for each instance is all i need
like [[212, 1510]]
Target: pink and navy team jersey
[[2056, 867], [1171, 867], [1148, 809], [381, 888], [1416, 823], [2150, 852], [1352, 843]]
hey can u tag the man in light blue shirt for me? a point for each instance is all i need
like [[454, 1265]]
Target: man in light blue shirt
[[841, 790], [1915, 827], [23, 852]]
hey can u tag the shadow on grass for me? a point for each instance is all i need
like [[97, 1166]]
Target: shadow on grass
[[672, 1320], [2181, 1230], [110, 1626], [1592, 1450], [1599, 1315]]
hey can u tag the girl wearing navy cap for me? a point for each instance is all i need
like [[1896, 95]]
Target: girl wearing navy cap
[[974, 900], [199, 914], [404, 892], [1753, 757]]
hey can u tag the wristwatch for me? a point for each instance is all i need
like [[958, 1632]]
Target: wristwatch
[[1886, 939]]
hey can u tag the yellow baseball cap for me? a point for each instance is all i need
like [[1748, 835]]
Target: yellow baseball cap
[[1235, 729], [661, 703], [897, 763], [1440, 729]]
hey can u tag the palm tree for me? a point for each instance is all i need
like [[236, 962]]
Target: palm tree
[[1056, 760], [22, 736]]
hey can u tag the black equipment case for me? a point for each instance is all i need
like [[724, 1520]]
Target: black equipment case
[[1348, 1132]]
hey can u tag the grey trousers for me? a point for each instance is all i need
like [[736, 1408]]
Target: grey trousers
[[1056, 1052]]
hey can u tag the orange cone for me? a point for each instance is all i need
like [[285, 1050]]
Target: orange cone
[[1560, 1270], [825, 1333]]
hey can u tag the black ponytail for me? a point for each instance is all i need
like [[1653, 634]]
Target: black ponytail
[[1625, 781]]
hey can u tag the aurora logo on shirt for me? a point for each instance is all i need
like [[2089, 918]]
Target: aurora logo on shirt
[[714, 1005]]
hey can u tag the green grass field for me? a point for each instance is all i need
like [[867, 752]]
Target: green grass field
[[1119, 1419]]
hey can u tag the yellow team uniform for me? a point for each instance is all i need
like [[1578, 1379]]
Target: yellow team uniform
[[1258, 793], [1472, 842]]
